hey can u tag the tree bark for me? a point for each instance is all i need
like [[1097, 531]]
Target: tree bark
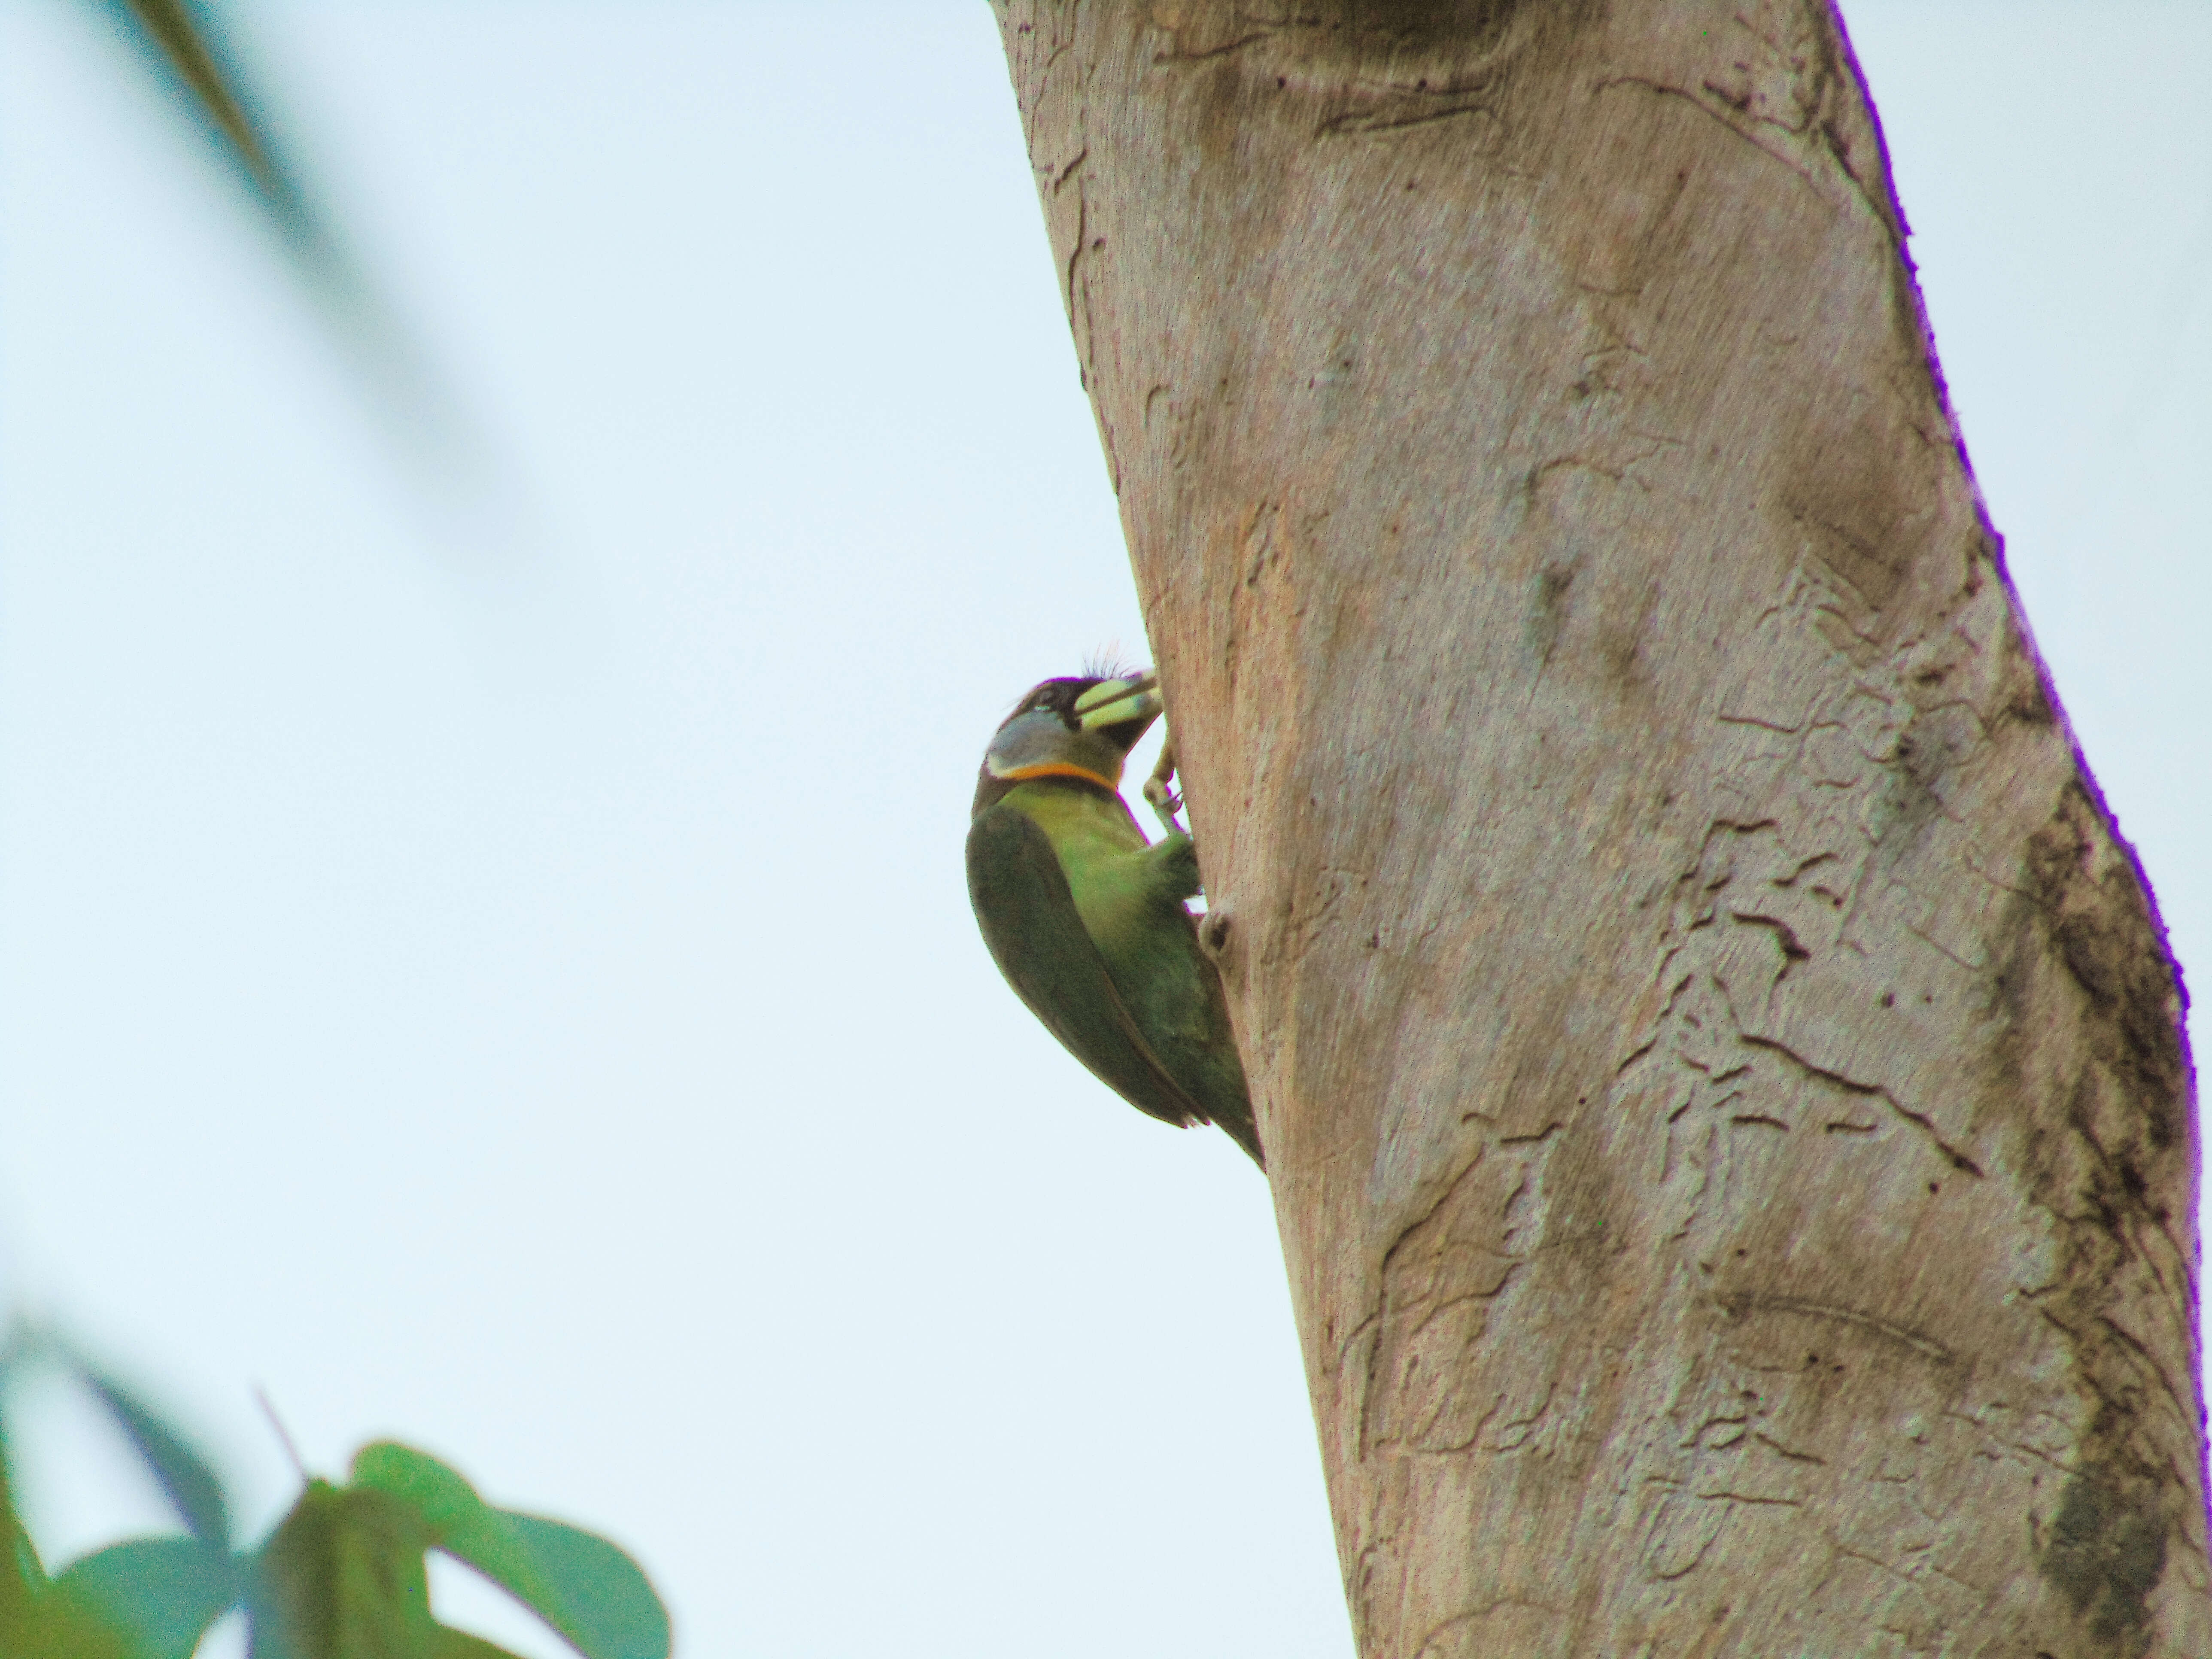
[[1722, 1075]]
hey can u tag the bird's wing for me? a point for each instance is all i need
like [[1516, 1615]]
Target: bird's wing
[[1029, 921]]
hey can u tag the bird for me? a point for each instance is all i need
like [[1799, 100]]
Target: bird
[[1087, 919]]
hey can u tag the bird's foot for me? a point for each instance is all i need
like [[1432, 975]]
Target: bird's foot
[[1160, 792]]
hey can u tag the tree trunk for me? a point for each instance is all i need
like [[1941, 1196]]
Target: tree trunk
[[1722, 1075]]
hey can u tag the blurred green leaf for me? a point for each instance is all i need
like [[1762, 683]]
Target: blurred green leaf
[[585, 1588], [183, 1474], [343, 1575], [162, 1593], [342, 1578], [35, 1623], [608, 1608], [188, 45], [459, 1645], [21, 1578], [56, 1630], [189, 1485]]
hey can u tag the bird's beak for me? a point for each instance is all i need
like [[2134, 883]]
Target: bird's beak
[[1116, 702]]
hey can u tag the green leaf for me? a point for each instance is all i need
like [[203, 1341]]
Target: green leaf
[[189, 1485], [160, 1592], [190, 45], [23, 1578], [587, 1588], [459, 1645], [56, 1630], [34, 1622], [182, 1474], [609, 1609], [342, 1578]]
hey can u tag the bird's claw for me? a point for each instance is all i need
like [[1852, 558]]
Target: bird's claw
[[1161, 794]]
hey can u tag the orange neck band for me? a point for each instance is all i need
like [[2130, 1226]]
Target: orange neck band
[[1059, 769]]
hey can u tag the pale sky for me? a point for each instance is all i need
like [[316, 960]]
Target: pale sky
[[506, 981]]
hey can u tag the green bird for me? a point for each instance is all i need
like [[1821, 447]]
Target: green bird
[[1087, 919]]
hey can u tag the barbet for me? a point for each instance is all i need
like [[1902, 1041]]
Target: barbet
[[1087, 919]]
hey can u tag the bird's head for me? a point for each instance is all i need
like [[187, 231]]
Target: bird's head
[[1082, 729]]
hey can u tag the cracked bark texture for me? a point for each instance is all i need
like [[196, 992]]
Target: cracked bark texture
[[1722, 1074]]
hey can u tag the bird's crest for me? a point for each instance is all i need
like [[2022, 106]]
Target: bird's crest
[[1106, 664]]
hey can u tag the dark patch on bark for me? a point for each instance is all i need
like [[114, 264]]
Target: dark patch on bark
[[2105, 1553], [2097, 1143], [2025, 698], [1374, 65], [1443, 26], [1222, 93], [1855, 485], [2101, 928], [2090, 1077], [1908, 802], [1547, 610], [1911, 793], [1620, 643]]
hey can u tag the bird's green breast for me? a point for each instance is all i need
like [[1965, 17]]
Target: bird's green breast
[[1129, 896], [1101, 852]]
